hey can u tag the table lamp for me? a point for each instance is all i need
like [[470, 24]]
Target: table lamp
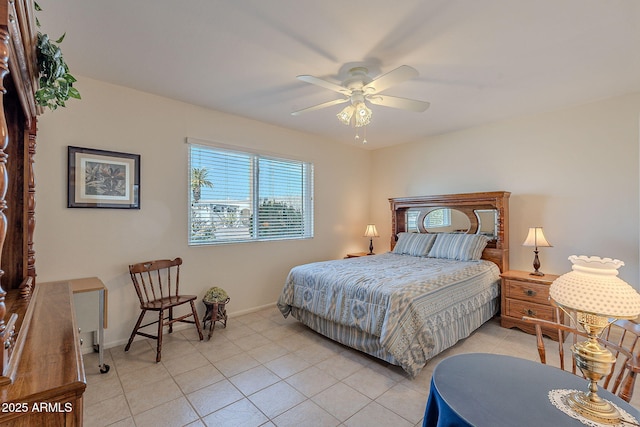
[[371, 232], [536, 239], [593, 292]]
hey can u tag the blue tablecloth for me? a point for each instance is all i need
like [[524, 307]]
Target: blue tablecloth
[[492, 390]]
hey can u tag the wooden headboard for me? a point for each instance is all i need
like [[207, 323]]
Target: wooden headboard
[[497, 249]]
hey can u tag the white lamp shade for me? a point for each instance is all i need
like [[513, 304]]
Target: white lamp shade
[[536, 238], [371, 231], [593, 287], [345, 115], [362, 114]]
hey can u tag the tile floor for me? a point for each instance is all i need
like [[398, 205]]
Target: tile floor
[[264, 370]]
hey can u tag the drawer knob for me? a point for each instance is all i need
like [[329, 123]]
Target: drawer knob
[[529, 312], [530, 292]]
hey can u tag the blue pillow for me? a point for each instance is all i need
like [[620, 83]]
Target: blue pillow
[[463, 247], [414, 244]]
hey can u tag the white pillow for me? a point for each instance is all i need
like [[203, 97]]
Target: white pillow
[[463, 247], [414, 244]]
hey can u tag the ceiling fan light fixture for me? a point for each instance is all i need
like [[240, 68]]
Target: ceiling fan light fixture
[[345, 115], [363, 114], [359, 89]]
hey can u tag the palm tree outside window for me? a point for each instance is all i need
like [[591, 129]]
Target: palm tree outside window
[[199, 180]]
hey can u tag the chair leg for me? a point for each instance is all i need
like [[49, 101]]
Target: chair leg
[[626, 392], [135, 330], [170, 319], [195, 317], [160, 324]]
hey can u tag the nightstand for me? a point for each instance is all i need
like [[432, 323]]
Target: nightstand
[[357, 254], [523, 294]]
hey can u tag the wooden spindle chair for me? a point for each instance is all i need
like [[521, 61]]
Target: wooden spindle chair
[[624, 334], [621, 338], [157, 284]]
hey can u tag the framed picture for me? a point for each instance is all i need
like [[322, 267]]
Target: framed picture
[[103, 179]]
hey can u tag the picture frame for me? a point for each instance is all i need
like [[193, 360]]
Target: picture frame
[[102, 179]]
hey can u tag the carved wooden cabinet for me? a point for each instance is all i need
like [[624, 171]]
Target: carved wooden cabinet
[[41, 373], [18, 82], [523, 294]]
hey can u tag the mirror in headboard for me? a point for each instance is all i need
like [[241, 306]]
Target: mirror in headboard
[[488, 222], [484, 213], [453, 220], [437, 220]]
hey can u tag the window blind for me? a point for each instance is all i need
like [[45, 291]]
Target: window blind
[[247, 197]]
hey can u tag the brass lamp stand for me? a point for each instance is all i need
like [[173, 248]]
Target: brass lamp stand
[[595, 362]]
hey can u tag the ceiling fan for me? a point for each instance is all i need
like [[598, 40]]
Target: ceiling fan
[[359, 88]]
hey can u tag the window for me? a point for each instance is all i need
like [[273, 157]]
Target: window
[[240, 197]]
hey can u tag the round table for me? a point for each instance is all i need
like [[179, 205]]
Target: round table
[[492, 390]]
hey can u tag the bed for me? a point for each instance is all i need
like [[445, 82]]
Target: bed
[[437, 284]]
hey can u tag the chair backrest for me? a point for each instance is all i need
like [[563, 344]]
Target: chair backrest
[[623, 335], [621, 338], [156, 280]]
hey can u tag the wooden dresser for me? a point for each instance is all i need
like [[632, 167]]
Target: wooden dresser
[[523, 294], [49, 379]]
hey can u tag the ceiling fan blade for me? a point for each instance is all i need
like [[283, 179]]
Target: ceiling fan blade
[[325, 84], [319, 106], [396, 102], [393, 77]]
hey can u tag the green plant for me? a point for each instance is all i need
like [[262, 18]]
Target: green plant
[[56, 83], [199, 180]]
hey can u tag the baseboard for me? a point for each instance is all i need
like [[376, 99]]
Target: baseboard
[[88, 348]]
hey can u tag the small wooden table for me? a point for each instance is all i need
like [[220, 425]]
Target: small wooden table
[[216, 312]]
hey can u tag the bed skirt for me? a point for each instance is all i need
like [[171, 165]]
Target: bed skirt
[[443, 338]]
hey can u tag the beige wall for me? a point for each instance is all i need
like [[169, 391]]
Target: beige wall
[[573, 172], [102, 242]]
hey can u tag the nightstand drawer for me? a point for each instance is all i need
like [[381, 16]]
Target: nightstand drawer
[[525, 291], [518, 309], [523, 294]]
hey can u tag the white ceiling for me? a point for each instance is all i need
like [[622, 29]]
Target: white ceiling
[[479, 60]]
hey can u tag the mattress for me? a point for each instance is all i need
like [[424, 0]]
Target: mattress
[[400, 308]]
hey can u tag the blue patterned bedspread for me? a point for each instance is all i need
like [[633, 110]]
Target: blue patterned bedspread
[[403, 300]]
